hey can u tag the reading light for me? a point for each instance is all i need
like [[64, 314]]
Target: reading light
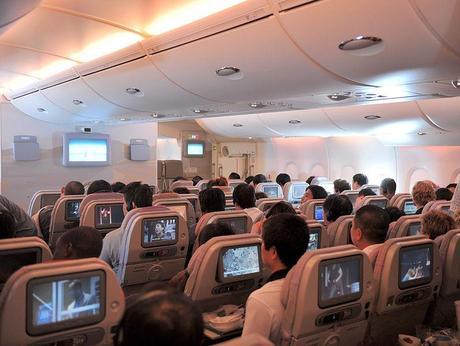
[[421, 133], [372, 117], [123, 119], [257, 105], [227, 71], [456, 83], [200, 111], [294, 122], [237, 125], [42, 110], [157, 116], [135, 91], [78, 102], [360, 42], [338, 97]]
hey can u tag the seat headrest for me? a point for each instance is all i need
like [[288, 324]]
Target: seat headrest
[[103, 196], [165, 195]]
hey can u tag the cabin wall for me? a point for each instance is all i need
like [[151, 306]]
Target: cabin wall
[[21, 179]]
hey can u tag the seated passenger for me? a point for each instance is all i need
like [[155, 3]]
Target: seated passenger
[[178, 178], [211, 200], [443, 194], [196, 179], [313, 192], [388, 188], [341, 185], [234, 176], [258, 178], [336, 206], [249, 179], [78, 243], [24, 226], [260, 195], [282, 179], [369, 228], [160, 317], [310, 179], [451, 187], [436, 223], [359, 180], [7, 225], [98, 186], [181, 190], [394, 213], [361, 194], [422, 193], [284, 240], [244, 198], [118, 187], [278, 208]]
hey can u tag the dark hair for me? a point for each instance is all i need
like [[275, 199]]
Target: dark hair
[[214, 230], [443, 194], [260, 195], [234, 176], [341, 185], [336, 206], [373, 221], [259, 178], [178, 178], [289, 235], [129, 192], [454, 185], [181, 190], [361, 179], [394, 213], [118, 187], [143, 196], [388, 185], [157, 318], [7, 224], [310, 179], [99, 186], [244, 196], [74, 188], [249, 179], [366, 192], [280, 208], [196, 179], [212, 200], [282, 179], [436, 223], [317, 191], [86, 242]]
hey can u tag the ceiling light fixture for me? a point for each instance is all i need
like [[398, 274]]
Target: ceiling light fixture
[[257, 105], [359, 42], [295, 122], [200, 111], [338, 97], [78, 102], [134, 91], [42, 110], [421, 133], [237, 125], [456, 83], [227, 71], [124, 119], [157, 116], [372, 117]]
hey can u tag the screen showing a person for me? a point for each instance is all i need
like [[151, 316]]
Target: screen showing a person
[[237, 224], [298, 191], [13, 260], [409, 207], [240, 261], [271, 191], [340, 280], [318, 212], [109, 216], [57, 303], [159, 231], [88, 150], [48, 199], [195, 149], [181, 209], [415, 265], [414, 229], [72, 210], [313, 242], [381, 204]]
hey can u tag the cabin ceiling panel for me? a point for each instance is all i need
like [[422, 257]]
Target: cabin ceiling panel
[[444, 112], [9, 79]]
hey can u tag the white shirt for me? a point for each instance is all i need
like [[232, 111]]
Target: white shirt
[[253, 213], [264, 312], [111, 249]]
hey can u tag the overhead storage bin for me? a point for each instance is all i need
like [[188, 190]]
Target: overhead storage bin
[[444, 112]]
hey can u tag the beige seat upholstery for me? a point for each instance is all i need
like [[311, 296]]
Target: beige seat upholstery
[[182, 206], [229, 201], [41, 199], [147, 256], [195, 201], [293, 191], [352, 195], [165, 195], [395, 199], [407, 276], [441, 206], [248, 340], [266, 203], [272, 190], [235, 182], [313, 209], [318, 236], [406, 204], [427, 207], [408, 225], [239, 220], [374, 188], [379, 201], [320, 311], [194, 190], [201, 185], [181, 183], [339, 231], [65, 215], [225, 189], [37, 304], [225, 270]]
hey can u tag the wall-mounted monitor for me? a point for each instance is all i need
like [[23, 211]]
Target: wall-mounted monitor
[[194, 148], [85, 149]]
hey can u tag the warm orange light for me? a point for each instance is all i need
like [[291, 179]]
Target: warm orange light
[[19, 82], [187, 14], [53, 68]]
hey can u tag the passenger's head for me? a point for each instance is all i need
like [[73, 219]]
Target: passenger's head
[[280, 208], [388, 188], [214, 230], [259, 178], [249, 179], [422, 193], [370, 226], [284, 240], [341, 185], [457, 218], [314, 192], [143, 196], [260, 195], [443, 194], [160, 317], [98, 186], [73, 188], [394, 213], [181, 190], [336, 206], [361, 194], [196, 179], [359, 180], [118, 187], [211, 200], [7, 224], [282, 179], [436, 223], [310, 179], [244, 196], [129, 192], [234, 176], [451, 187], [178, 178], [221, 181], [77, 243]]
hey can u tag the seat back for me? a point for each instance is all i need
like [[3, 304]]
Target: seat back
[[374, 188], [227, 190], [201, 185], [408, 225], [41, 199], [239, 220], [293, 191], [318, 236], [272, 190], [379, 201], [443, 206], [395, 199], [313, 209], [266, 203], [181, 183], [235, 182], [165, 195], [339, 231], [194, 190], [195, 202], [225, 270], [103, 211], [153, 245], [182, 206], [352, 195], [65, 215], [328, 296], [427, 207], [406, 204], [37, 305]]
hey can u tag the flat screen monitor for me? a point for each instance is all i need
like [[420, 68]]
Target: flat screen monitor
[[194, 148], [108, 216], [328, 186], [13, 260], [181, 209], [415, 265], [49, 199], [65, 302], [72, 210], [239, 262], [409, 207], [314, 243], [318, 213], [86, 149], [379, 203], [298, 191], [340, 280], [237, 224], [159, 231], [271, 191], [414, 228], [352, 197]]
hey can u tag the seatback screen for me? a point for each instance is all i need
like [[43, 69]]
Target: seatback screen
[[379, 203], [409, 207], [237, 224], [108, 216], [318, 213], [13, 260], [159, 231], [414, 228], [48, 199], [298, 191], [340, 280], [415, 265], [271, 191], [239, 262], [65, 302], [314, 241], [72, 210]]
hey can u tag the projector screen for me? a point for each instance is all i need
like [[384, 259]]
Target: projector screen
[[86, 149]]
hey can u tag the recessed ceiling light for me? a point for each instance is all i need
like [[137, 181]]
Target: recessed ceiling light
[[237, 125], [372, 117], [295, 122], [456, 83], [338, 97], [42, 110], [124, 119], [249, 137], [135, 91], [157, 116], [360, 42], [77, 102], [421, 133], [227, 71], [257, 105], [200, 111]]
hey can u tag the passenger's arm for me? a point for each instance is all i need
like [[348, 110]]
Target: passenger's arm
[[105, 252], [455, 202], [258, 318]]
